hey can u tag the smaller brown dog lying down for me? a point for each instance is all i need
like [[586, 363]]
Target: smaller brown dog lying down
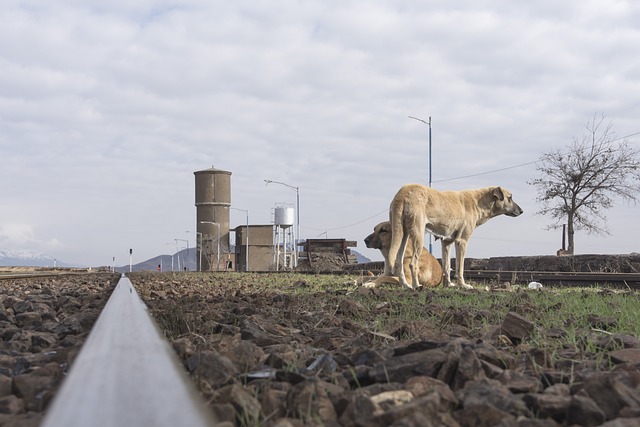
[[430, 272]]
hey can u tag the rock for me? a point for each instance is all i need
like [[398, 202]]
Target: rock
[[623, 422], [401, 368], [469, 368], [253, 332], [492, 396], [611, 394], [390, 399], [310, 401], [358, 408], [244, 354], [246, 406], [32, 388], [518, 382], [626, 355], [516, 327], [583, 411], [11, 405], [424, 386], [212, 367], [548, 405], [5, 386]]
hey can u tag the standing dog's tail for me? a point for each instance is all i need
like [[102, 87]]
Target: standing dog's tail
[[397, 235]]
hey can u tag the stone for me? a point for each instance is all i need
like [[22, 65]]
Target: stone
[[11, 405], [517, 382], [32, 388], [626, 355], [252, 332], [469, 369], [516, 327], [583, 411], [401, 368], [390, 399], [245, 355], [548, 405], [491, 394], [5, 386], [611, 394], [309, 400], [212, 367], [423, 386], [246, 406]]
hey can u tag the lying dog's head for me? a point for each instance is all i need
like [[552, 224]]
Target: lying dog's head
[[380, 238], [504, 204]]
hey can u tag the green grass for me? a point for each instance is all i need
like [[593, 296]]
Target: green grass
[[552, 309]]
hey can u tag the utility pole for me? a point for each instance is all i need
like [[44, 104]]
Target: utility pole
[[429, 124]]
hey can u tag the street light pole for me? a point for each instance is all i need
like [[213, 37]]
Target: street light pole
[[297, 190], [246, 254], [200, 263], [427, 123], [218, 225], [183, 262]]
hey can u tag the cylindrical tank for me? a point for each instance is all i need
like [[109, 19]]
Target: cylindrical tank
[[213, 199], [283, 217]]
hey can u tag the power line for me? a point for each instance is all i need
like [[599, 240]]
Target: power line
[[623, 137], [350, 225], [488, 172], [447, 180]]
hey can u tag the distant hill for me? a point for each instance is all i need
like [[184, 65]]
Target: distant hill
[[29, 259], [185, 259], [176, 262], [359, 257]]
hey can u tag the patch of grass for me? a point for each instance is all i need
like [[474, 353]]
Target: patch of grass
[[567, 312]]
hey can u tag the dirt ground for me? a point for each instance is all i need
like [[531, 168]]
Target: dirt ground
[[276, 351], [272, 354], [43, 323]]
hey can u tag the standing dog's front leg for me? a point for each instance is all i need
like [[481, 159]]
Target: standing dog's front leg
[[461, 250], [446, 262]]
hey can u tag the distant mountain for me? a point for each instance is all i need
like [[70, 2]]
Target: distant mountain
[[359, 257], [185, 259], [28, 259]]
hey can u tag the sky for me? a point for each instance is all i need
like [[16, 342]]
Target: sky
[[107, 109]]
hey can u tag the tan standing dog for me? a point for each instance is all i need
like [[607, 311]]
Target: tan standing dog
[[449, 215], [430, 272]]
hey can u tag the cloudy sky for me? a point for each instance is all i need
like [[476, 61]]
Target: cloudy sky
[[107, 109]]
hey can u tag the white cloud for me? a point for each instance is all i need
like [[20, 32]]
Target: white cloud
[[106, 109]]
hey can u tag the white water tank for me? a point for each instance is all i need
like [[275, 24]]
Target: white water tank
[[284, 217]]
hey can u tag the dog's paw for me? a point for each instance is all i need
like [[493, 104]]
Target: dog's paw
[[369, 285], [464, 285]]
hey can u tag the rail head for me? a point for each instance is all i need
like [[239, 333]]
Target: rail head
[[126, 374]]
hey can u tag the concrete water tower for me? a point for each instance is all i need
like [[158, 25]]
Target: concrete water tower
[[285, 248], [213, 199]]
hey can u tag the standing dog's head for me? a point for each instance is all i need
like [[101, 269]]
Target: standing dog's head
[[380, 238], [503, 203]]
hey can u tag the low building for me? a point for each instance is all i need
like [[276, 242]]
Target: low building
[[258, 254]]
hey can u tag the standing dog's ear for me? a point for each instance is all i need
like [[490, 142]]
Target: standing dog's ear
[[497, 193]]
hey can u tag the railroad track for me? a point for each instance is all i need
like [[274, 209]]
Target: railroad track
[[37, 274], [557, 278], [126, 374]]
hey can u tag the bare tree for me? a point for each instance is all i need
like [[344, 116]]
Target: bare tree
[[578, 184]]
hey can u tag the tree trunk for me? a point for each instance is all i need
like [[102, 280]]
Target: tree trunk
[[570, 246]]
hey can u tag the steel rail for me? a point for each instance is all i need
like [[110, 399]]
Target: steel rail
[[126, 374], [630, 280], [14, 276]]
